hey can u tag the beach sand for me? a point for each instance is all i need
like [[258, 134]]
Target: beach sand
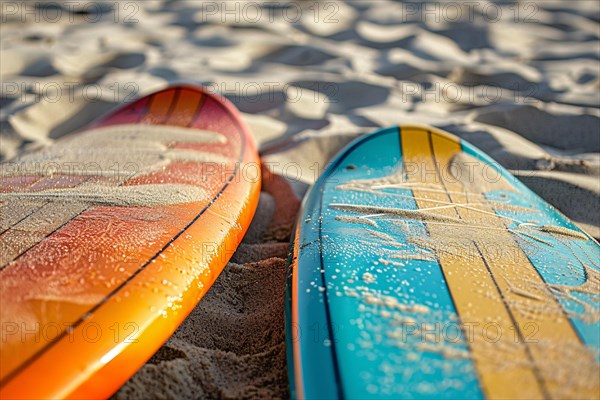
[[521, 83]]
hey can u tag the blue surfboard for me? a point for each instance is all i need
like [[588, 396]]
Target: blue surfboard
[[422, 269]]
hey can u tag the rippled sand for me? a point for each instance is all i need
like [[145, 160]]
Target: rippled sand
[[522, 84]]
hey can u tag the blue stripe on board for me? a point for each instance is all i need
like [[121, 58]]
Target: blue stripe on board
[[378, 349]]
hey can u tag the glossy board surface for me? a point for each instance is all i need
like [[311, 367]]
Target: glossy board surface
[[113, 234], [423, 269]]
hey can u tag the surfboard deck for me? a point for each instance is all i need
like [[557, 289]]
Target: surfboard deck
[[423, 269], [113, 234]]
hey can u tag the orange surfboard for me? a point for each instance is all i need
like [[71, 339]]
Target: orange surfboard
[[112, 235]]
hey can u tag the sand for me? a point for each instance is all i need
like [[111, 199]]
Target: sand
[[523, 88]]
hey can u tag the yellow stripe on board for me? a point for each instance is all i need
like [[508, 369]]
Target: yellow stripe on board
[[184, 112], [159, 106], [503, 367], [551, 341]]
